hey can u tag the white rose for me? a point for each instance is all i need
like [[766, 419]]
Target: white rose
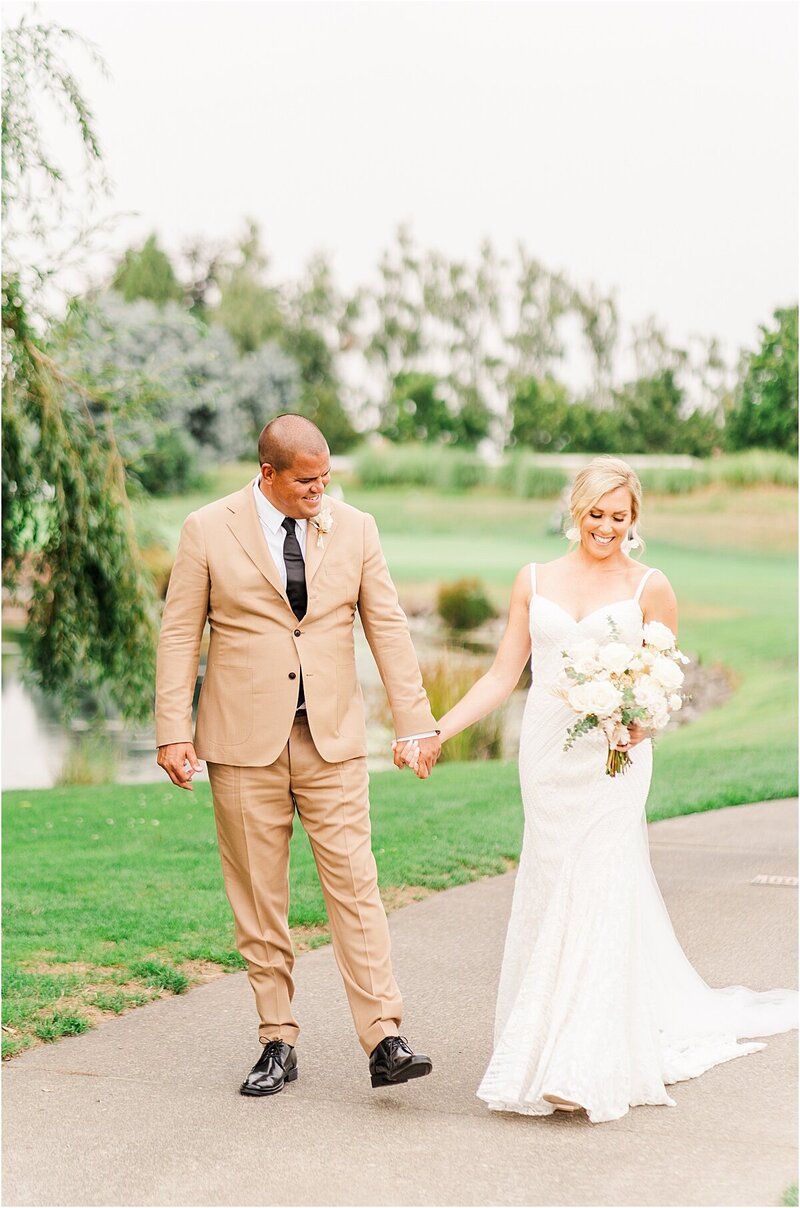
[[636, 638], [648, 694], [675, 702], [666, 673], [583, 656], [615, 657], [659, 636], [598, 697], [659, 719]]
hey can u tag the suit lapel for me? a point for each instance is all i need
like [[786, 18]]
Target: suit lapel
[[314, 552], [244, 524]]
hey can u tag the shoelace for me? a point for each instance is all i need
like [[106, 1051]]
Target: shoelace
[[273, 1049], [394, 1043]]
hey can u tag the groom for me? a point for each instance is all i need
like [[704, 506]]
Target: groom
[[279, 571]]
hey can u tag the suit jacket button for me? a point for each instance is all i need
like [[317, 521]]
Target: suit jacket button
[[297, 632], [292, 675]]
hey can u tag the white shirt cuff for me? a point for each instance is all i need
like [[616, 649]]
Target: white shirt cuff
[[425, 734]]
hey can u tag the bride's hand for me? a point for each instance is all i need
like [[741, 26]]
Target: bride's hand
[[406, 755], [637, 734]]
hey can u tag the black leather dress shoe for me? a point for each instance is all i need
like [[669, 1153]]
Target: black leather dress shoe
[[276, 1066], [393, 1062]]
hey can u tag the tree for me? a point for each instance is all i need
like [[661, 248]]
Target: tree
[[765, 412], [200, 264], [416, 411], [540, 301], [396, 339], [265, 383], [600, 327], [464, 302], [538, 411], [38, 194], [248, 308], [147, 273], [301, 322], [68, 541], [654, 418], [177, 390], [68, 545]]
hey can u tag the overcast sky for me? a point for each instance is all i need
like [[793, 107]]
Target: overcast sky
[[649, 147]]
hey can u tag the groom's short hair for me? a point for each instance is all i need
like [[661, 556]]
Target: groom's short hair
[[286, 436]]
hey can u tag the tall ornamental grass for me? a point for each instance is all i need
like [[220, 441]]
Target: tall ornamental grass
[[446, 679], [527, 479], [450, 471], [668, 480], [753, 467], [523, 475]]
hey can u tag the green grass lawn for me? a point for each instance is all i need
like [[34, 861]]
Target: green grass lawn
[[114, 894]]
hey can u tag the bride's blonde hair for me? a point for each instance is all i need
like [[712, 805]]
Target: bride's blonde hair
[[604, 474]]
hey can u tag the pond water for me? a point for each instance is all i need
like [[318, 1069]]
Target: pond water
[[39, 751]]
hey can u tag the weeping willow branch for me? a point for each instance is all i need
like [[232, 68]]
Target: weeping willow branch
[[69, 546]]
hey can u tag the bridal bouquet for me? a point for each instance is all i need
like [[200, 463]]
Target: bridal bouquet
[[611, 685]]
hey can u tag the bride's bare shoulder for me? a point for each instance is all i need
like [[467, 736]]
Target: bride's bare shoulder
[[658, 585]]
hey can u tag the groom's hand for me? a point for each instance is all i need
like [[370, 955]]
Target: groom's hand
[[174, 757], [429, 751]]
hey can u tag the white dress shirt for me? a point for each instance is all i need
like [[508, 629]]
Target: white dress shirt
[[271, 521]]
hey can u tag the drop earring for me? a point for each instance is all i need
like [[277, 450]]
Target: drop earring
[[631, 541], [573, 534]]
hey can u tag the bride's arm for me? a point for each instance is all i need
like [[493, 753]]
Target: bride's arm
[[659, 602], [502, 677]]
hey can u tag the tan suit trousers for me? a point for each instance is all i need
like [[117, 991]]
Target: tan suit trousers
[[254, 809]]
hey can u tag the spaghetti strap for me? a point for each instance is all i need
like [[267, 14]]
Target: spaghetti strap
[[533, 577], [642, 582]]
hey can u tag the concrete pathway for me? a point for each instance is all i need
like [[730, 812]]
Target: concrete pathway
[[145, 1109]]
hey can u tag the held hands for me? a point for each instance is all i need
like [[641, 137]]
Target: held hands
[[419, 754], [174, 758]]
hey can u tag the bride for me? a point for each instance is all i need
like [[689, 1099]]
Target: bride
[[598, 1007]]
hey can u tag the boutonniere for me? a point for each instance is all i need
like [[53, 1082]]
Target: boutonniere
[[323, 524]]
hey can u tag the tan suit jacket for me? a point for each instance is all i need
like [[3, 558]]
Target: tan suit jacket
[[223, 572]]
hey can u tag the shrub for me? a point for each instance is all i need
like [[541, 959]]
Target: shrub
[[463, 605], [446, 680]]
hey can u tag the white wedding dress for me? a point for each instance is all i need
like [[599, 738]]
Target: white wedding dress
[[597, 1002]]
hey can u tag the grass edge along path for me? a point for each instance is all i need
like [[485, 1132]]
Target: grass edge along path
[[114, 893]]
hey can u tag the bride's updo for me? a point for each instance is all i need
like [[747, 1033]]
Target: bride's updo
[[604, 474]]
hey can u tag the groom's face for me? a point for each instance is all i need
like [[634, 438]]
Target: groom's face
[[298, 490]]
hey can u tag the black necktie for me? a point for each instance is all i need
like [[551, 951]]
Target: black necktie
[[295, 583], [295, 570]]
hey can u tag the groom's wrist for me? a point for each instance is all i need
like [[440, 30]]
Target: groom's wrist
[[423, 734]]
